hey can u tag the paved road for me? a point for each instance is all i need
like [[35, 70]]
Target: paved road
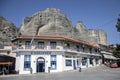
[[97, 73]]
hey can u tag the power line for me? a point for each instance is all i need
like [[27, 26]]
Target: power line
[[107, 22]]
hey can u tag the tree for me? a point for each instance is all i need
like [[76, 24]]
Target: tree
[[116, 51], [118, 24]]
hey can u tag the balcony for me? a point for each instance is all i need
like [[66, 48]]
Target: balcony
[[81, 51], [36, 48]]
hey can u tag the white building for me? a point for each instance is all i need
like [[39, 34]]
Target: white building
[[53, 53]]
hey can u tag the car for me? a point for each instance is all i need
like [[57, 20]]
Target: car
[[113, 65]]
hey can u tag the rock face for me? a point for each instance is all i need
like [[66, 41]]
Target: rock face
[[80, 32], [49, 21], [52, 21], [8, 31], [98, 36]]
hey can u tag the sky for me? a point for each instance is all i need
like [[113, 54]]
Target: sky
[[94, 14]]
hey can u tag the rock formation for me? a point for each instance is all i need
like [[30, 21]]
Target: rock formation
[[98, 36], [80, 32], [49, 21], [8, 31], [52, 21]]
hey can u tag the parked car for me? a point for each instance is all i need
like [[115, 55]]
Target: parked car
[[113, 65]]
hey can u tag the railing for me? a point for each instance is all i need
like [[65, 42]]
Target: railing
[[86, 51], [74, 50]]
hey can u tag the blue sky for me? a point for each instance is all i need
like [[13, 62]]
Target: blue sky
[[95, 14]]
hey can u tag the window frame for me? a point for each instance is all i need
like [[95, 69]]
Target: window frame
[[27, 45], [41, 45], [68, 62], [53, 45], [84, 61], [53, 62], [27, 62]]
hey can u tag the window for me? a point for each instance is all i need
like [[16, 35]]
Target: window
[[90, 49], [53, 62], [27, 61], [96, 50], [27, 45], [84, 61], [68, 62], [53, 45], [41, 45], [77, 47], [83, 47]]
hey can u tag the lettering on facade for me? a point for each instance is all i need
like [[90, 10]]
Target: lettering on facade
[[41, 53]]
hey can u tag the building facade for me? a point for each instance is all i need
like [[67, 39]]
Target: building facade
[[53, 53], [7, 60]]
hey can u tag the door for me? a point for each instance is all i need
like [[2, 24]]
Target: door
[[40, 64], [74, 64]]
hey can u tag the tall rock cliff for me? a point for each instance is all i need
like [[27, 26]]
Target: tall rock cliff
[[49, 21], [8, 31], [52, 21]]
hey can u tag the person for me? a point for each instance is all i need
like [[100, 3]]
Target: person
[[4, 70], [79, 69], [31, 70]]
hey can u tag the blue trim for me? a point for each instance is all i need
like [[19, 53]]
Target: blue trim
[[27, 62]]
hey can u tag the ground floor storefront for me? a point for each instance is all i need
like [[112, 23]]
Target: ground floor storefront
[[7, 64], [53, 61]]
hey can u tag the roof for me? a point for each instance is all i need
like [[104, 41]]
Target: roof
[[109, 56], [54, 37]]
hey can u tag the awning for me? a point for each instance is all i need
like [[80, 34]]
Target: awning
[[5, 63], [109, 56]]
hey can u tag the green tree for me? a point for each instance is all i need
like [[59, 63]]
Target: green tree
[[116, 51], [118, 24]]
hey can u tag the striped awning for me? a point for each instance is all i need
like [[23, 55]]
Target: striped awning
[[109, 56]]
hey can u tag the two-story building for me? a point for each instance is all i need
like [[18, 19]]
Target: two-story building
[[53, 53]]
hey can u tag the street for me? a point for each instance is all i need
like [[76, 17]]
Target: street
[[96, 73]]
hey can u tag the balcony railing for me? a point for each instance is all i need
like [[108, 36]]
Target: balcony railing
[[49, 48]]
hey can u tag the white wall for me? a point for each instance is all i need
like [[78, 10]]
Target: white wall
[[17, 63], [59, 64]]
